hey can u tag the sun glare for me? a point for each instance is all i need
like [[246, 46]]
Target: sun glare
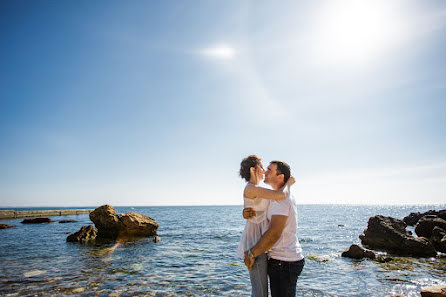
[[220, 52], [355, 31]]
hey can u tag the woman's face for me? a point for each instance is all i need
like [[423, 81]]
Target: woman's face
[[259, 172]]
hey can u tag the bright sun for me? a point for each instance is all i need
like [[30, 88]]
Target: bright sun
[[221, 51], [355, 31]]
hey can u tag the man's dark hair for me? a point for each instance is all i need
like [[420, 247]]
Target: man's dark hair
[[283, 168], [246, 164]]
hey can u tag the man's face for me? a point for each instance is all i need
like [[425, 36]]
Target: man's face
[[271, 177]]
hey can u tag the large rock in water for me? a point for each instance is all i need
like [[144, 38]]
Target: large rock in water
[[390, 234], [135, 224], [426, 225], [111, 225], [413, 218], [84, 235], [107, 221]]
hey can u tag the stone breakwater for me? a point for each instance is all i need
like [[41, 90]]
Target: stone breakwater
[[12, 214]]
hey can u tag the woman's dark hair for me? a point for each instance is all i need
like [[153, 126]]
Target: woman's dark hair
[[246, 164]]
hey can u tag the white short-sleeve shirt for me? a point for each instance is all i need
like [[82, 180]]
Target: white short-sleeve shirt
[[287, 248]]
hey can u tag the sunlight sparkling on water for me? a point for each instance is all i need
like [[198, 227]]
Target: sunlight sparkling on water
[[197, 257]]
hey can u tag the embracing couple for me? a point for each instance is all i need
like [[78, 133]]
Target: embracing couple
[[269, 243]]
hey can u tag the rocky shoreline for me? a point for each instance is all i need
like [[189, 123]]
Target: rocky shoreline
[[389, 235]]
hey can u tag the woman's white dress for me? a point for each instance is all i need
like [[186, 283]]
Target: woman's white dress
[[256, 226]]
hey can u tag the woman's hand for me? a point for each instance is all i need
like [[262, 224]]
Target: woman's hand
[[291, 181], [248, 213]]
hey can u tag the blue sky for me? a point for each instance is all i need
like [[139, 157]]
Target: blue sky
[[156, 103]]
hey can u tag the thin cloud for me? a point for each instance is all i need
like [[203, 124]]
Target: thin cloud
[[412, 184]]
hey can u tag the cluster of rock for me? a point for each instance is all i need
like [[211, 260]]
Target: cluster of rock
[[111, 226], [390, 235]]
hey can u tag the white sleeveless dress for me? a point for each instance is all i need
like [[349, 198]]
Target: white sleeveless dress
[[256, 226]]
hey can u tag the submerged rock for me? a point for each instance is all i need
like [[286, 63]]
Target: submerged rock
[[67, 221], [6, 226], [318, 258], [426, 225], [84, 235], [390, 234], [434, 291], [37, 221], [357, 252], [383, 259]]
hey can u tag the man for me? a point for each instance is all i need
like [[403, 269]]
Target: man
[[285, 259]]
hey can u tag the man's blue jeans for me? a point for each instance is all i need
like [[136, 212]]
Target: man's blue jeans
[[283, 277]]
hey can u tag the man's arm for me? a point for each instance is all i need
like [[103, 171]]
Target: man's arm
[[268, 239], [271, 236]]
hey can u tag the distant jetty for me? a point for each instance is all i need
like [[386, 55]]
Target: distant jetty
[[12, 214]]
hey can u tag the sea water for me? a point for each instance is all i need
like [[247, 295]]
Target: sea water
[[196, 256]]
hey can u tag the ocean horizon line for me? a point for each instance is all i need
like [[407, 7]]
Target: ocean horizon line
[[214, 205]]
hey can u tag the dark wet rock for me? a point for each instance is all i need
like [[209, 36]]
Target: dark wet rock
[[413, 218], [6, 226], [84, 235], [110, 225], [434, 291], [157, 239], [357, 252], [426, 225], [439, 239], [67, 221], [107, 221], [390, 234], [37, 221]]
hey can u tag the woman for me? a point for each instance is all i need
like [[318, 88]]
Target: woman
[[258, 198]]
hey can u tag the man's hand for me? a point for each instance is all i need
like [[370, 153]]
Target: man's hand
[[248, 213], [291, 181], [249, 262]]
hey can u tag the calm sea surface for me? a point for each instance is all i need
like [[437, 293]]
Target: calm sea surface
[[197, 256]]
